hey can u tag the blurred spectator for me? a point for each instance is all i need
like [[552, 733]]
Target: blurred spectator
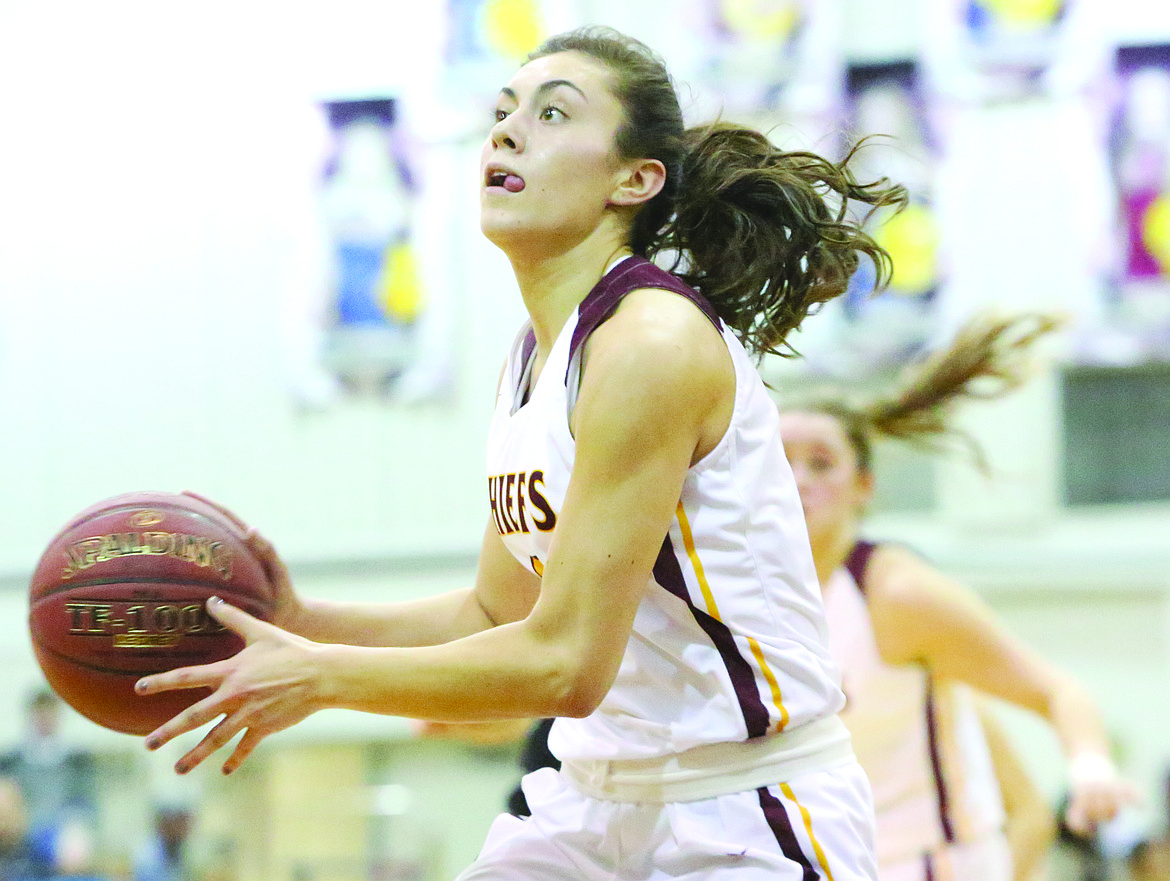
[[164, 856], [67, 850], [60, 852], [17, 860], [58, 782], [1150, 858]]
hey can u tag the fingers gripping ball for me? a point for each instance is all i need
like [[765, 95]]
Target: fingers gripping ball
[[121, 592]]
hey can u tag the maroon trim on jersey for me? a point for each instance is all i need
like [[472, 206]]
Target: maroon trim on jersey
[[780, 824], [940, 783], [857, 560], [929, 867], [527, 347], [856, 564], [668, 573], [631, 274]]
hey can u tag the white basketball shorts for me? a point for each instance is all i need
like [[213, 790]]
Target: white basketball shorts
[[817, 826]]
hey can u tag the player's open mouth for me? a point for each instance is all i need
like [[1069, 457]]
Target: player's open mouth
[[501, 177]]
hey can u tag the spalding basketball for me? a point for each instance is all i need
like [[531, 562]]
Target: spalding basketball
[[121, 592]]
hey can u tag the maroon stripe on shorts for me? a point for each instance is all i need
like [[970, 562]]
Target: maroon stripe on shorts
[[781, 827]]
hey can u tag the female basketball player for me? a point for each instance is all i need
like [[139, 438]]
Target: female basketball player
[[645, 575], [910, 641]]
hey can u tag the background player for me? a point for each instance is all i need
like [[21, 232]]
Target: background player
[[912, 643]]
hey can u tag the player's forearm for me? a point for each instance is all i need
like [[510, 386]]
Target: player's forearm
[[429, 621], [1076, 718], [502, 673]]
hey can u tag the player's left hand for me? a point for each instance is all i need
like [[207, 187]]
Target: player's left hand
[[266, 687], [1097, 793]]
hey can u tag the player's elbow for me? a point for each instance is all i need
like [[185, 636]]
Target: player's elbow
[[580, 700], [578, 688]]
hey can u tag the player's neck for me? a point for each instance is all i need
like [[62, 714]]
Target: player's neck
[[553, 286], [831, 548]]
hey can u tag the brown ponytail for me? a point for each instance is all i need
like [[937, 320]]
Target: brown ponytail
[[766, 233], [763, 234], [987, 359]]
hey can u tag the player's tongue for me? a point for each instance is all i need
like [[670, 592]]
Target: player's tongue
[[513, 183]]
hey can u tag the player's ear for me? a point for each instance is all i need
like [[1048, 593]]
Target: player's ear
[[638, 182]]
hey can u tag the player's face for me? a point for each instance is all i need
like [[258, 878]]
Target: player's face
[[833, 490], [549, 166]]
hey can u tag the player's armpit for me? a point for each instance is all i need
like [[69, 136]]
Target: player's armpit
[[505, 590]]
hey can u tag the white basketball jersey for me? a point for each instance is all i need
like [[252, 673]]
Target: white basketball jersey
[[919, 740], [729, 642]]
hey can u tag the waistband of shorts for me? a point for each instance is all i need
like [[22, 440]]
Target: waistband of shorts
[[715, 769]]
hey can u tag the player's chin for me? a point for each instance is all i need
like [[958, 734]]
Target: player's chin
[[503, 229]]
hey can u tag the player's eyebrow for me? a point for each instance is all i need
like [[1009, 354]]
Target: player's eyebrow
[[544, 88]]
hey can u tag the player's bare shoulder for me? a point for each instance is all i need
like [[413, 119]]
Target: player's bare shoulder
[[664, 343], [664, 332], [895, 576], [912, 604], [897, 587]]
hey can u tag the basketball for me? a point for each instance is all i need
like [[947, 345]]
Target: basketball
[[121, 591]]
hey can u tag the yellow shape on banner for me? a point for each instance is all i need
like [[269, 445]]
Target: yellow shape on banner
[[513, 27], [761, 19], [1156, 231], [1026, 12], [911, 238], [399, 291]]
